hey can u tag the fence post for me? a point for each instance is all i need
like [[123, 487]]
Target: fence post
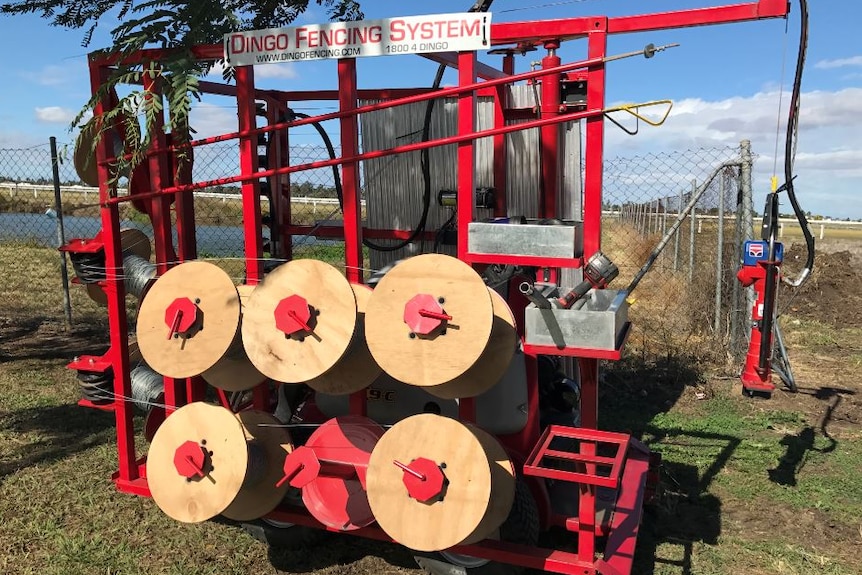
[[61, 233], [736, 310], [676, 237], [719, 259], [747, 206], [692, 220]]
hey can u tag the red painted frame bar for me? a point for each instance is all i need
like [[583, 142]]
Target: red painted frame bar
[[419, 97], [549, 134], [160, 216], [620, 547], [466, 149], [369, 155], [594, 144], [115, 294], [251, 176], [351, 206]]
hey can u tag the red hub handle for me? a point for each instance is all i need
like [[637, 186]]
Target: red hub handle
[[181, 315], [423, 314], [423, 479], [293, 315], [190, 460]]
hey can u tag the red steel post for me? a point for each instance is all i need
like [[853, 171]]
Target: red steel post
[[248, 162], [549, 146], [594, 146], [160, 214], [115, 294], [501, 100], [351, 207], [466, 149]]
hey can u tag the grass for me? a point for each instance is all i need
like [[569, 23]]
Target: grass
[[761, 487]]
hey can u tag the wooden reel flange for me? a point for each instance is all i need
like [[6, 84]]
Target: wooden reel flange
[[434, 483], [432, 322], [205, 461], [299, 321], [357, 369], [235, 371], [188, 325], [331, 469]]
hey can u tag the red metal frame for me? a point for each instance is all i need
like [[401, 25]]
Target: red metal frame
[[629, 465]]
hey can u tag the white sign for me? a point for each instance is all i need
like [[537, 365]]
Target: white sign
[[407, 35]]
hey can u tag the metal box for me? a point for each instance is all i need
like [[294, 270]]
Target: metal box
[[596, 321], [530, 239]]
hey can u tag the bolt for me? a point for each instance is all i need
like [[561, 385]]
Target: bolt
[[197, 300], [412, 335], [441, 300]]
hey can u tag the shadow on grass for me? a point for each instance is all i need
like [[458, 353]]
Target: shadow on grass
[[341, 551], [798, 446], [683, 513], [40, 337], [48, 434]]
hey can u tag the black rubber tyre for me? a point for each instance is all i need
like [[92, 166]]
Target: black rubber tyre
[[521, 526], [289, 536]]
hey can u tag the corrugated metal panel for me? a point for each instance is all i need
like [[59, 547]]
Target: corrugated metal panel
[[394, 185]]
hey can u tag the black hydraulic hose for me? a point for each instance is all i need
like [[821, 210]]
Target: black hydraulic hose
[[426, 171], [425, 163], [792, 130], [765, 355]]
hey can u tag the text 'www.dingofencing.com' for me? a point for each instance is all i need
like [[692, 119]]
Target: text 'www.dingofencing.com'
[[308, 55]]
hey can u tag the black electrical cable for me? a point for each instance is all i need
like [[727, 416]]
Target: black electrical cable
[[441, 232], [771, 280], [790, 141], [425, 164]]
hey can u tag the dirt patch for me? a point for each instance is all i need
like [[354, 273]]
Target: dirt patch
[[44, 338], [809, 528], [831, 295]]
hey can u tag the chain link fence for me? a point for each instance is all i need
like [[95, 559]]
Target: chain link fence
[[689, 301]]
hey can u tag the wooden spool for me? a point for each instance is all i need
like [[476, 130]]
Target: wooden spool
[[204, 345], [465, 355], [299, 355], [357, 369], [235, 371], [494, 361], [237, 478], [475, 501]]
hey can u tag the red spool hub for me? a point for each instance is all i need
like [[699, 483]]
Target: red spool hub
[[423, 314], [293, 315], [331, 471], [190, 460], [181, 316]]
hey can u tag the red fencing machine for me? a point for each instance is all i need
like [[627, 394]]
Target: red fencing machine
[[442, 398]]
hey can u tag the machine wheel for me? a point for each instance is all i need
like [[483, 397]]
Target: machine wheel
[[521, 526], [287, 535]]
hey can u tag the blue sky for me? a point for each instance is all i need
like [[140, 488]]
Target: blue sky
[[724, 81]]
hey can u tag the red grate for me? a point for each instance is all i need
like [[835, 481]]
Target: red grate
[[590, 468]]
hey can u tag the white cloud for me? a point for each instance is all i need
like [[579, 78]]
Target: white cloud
[[283, 71], [209, 119], [49, 75], [54, 115], [828, 161], [265, 71], [839, 63], [829, 156]]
